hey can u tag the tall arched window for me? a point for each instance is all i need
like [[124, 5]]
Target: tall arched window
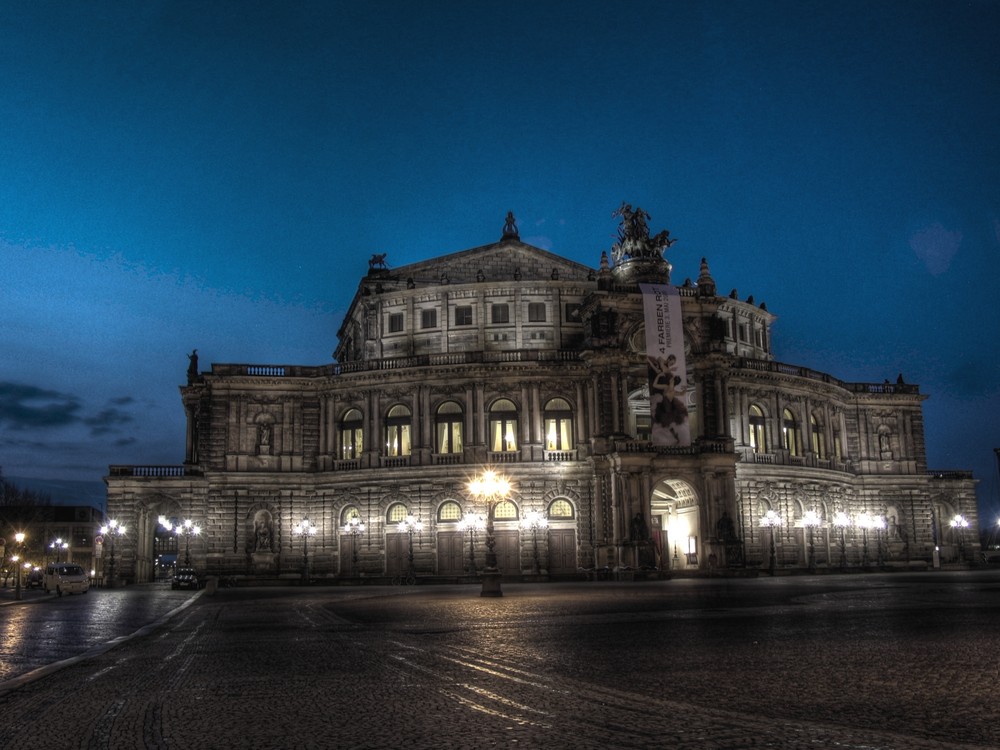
[[758, 439], [351, 435], [818, 436], [448, 420], [558, 415], [791, 432], [503, 426], [397, 431]]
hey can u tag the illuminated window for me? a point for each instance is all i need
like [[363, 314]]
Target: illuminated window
[[505, 511], [450, 512], [558, 416], [503, 426], [560, 509], [757, 440], [791, 433], [448, 420], [818, 436], [347, 514], [351, 435], [397, 431], [397, 512]]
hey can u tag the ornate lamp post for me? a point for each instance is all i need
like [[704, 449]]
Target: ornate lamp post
[[865, 521], [306, 528], [811, 520], [534, 521], [408, 525], [112, 529], [878, 526], [187, 529], [960, 524], [19, 539], [355, 528], [769, 521], [490, 488], [841, 520], [473, 523], [59, 545]]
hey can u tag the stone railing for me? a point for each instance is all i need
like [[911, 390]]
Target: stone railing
[[151, 471], [765, 365], [560, 455]]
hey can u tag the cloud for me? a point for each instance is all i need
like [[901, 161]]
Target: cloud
[[935, 246], [107, 421], [26, 406]]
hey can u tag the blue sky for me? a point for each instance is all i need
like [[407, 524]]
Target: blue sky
[[179, 175]]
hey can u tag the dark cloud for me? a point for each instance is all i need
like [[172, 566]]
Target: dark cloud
[[27, 406], [122, 401], [122, 442], [107, 421]]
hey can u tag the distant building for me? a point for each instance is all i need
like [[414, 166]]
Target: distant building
[[645, 422], [66, 533]]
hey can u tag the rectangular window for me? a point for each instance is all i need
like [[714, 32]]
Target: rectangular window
[[395, 322], [572, 312], [463, 315], [536, 312], [428, 318], [499, 313]]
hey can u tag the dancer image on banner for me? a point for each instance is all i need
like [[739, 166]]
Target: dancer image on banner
[[670, 419]]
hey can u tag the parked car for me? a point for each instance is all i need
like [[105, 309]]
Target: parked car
[[185, 578], [65, 578], [35, 579]]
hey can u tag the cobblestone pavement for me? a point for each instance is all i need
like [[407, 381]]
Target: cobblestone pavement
[[583, 666]]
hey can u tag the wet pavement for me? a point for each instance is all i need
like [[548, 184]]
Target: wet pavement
[[874, 661]]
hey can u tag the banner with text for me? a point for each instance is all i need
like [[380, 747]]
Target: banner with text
[[667, 368]]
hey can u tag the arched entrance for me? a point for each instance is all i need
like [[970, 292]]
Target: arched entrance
[[675, 519]]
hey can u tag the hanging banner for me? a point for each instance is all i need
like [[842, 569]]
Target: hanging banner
[[667, 368]]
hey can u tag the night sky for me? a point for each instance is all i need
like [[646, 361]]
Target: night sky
[[215, 175]]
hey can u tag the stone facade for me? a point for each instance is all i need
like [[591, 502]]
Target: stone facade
[[511, 358]]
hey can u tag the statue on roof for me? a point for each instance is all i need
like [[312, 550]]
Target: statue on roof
[[377, 261], [633, 236], [510, 228]]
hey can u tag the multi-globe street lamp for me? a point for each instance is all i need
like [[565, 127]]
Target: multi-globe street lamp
[[534, 521], [492, 489], [408, 526], [811, 519], [112, 530], [306, 529], [472, 522], [769, 521], [842, 521], [19, 539], [867, 522], [59, 546], [355, 527], [187, 529], [960, 524]]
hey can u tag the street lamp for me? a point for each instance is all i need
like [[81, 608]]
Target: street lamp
[[841, 520], [306, 528], [19, 538], [960, 524], [492, 489], [355, 528], [878, 526], [769, 521], [865, 521], [534, 520], [473, 522], [407, 526], [58, 545], [811, 520], [112, 529], [187, 529]]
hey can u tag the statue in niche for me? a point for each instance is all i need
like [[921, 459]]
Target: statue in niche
[[724, 528], [263, 532], [885, 451], [264, 437], [637, 530]]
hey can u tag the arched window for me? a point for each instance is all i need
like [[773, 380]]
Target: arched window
[[351, 511], [351, 435], [758, 440], [505, 510], [560, 509], [397, 512], [791, 433], [449, 512], [503, 426], [558, 415], [397, 431], [449, 419], [818, 436]]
